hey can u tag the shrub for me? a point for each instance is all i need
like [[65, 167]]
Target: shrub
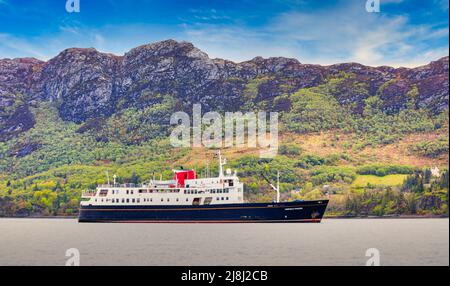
[[290, 150], [431, 149], [383, 170], [329, 174]]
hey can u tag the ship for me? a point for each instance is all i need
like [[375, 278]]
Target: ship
[[189, 199]]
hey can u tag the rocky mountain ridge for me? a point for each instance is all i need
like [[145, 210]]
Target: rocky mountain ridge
[[85, 83]]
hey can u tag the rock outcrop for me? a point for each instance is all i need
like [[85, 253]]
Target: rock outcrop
[[86, 84]]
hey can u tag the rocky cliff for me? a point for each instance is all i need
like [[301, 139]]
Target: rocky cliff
[[85, 83]]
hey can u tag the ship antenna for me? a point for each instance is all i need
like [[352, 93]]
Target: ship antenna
[[107, 176], [221, 164], [114, 178]]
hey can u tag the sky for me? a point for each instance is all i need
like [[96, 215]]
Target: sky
[[404, 33]]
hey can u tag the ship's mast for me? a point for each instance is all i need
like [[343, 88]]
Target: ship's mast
[[107, 176], [275, 188], [221, 164], [278, 186]]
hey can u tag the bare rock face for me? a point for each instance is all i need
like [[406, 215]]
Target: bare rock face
[[16, 80], [166, 68], [86, 84], [432, 82], [81, 82]]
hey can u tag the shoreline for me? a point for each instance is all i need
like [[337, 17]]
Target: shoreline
[[389, 217], [325, 217]]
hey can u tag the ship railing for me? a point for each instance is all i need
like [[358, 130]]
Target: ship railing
[[121, 186]]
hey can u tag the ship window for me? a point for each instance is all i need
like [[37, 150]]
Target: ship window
[[123, 200], [196, 202], [227, 198], [128, 200], [138, 200], [151, 200], [218, 198], [222, 198], [187, 200], [131, 191], [178, 200], [168, 200], [127, 192], [162, 200], [207, 201]]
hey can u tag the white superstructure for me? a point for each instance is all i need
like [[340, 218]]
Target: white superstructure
[[184, 189]]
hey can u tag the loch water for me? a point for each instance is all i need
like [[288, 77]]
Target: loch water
[[332, 242]]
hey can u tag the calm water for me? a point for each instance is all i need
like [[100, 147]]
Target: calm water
[[334, 242]]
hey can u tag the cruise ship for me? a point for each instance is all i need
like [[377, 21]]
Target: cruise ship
[[188, 199]]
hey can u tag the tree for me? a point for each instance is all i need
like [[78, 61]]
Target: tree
[[135, 179], [427, 176]]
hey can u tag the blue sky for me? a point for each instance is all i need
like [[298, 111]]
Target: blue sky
[[404, 33]]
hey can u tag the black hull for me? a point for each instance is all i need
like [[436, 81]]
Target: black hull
[[300, 211]]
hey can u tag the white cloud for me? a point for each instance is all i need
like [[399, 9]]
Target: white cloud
[[344, 34], [15, 47]]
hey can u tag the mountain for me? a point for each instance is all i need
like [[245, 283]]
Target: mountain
[[86, 84]]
